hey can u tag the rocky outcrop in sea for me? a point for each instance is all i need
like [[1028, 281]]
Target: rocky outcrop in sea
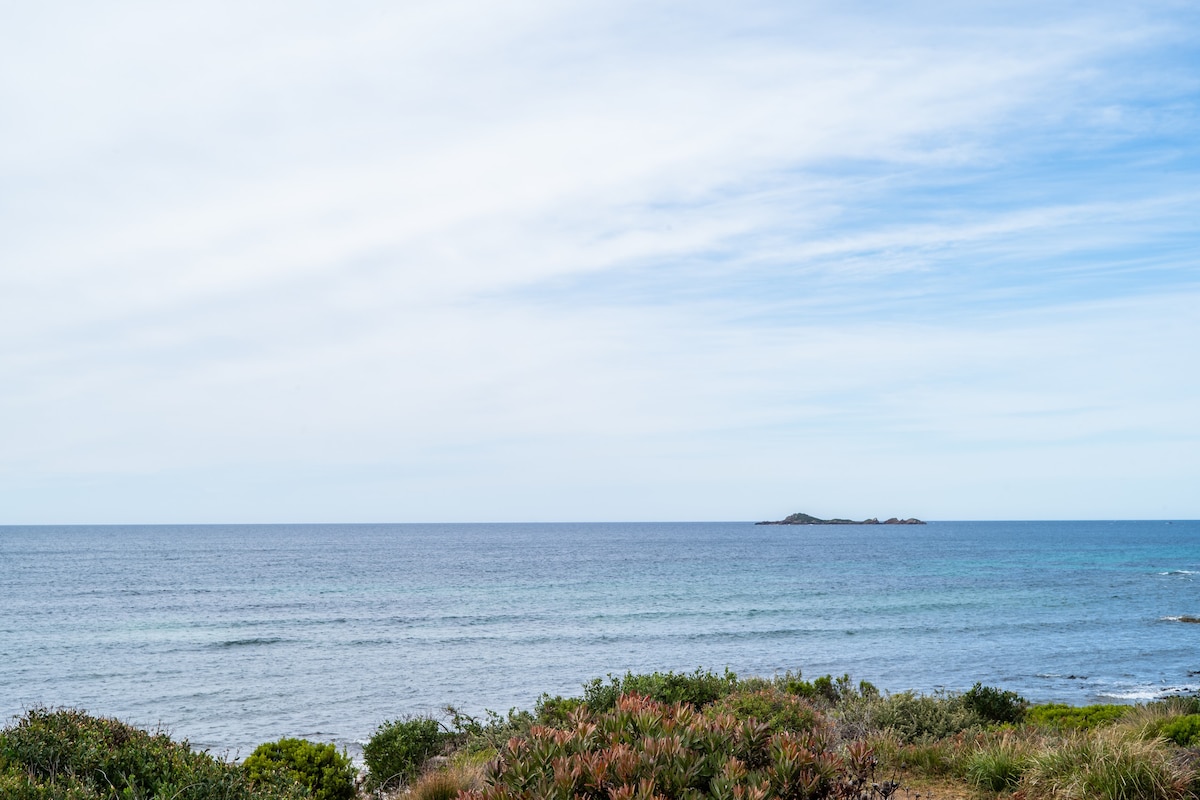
[[807, 519]]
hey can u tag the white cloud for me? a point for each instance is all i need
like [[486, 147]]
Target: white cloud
[[626, 242]]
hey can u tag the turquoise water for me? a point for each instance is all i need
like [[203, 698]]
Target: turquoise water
[[235, 635]]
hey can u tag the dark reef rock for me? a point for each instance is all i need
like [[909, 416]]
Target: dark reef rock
[[808, 519]]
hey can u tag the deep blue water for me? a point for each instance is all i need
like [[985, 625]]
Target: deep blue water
[[235, 635]]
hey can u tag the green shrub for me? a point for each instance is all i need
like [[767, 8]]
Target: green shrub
[[826, 689], [473, 735], [556, 711], [916, 718], [696, 689], [66, 754], [320, 768], [642, 748], [1079, 718], [397, 750], [995, 705], [1183, 731], [776, 709]]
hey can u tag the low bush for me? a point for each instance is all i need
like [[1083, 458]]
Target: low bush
[[557, 710], [916, 718], [643, 748], [827, 689], [67, 754], [473, 735], [1183, 731], [320, 768], [1077, 718], [399, 748], [696, 689], [776, 709], [995, 705]]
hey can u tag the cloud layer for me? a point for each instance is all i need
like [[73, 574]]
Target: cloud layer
[[534, 261]]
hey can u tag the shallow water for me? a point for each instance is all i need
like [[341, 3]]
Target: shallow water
[[235, 635]]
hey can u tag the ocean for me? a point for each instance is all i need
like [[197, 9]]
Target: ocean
[[233, 635]]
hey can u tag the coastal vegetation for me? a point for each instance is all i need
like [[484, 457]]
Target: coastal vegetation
[[659, 736]]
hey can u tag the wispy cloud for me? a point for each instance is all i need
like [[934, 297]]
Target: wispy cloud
[[706, 257]]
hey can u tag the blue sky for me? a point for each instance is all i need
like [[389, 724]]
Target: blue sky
[[468, 261]]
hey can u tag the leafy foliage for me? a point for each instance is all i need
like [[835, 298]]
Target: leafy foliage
[[320, 768], [696, 689], [398, 749], [66, 754], [914, 718], [475, 735], [642, 748], [824, 688], [995, 705], [1080, 718], [778, 710], [1183, 731]]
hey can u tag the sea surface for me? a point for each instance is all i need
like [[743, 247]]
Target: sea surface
[[232, 635]]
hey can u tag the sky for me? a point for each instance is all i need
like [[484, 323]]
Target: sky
[[464, 261]]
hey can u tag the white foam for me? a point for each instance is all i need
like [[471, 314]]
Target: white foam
[[1133, 694], [1150, 692]]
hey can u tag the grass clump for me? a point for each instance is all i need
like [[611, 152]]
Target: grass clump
[[319, 768], [997, 764], [446, 784], [1103, 765], [398, 749]]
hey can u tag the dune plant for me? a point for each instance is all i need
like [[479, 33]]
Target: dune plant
[[996, 763], [67, 754], [1105, 765], [647, 749], [827, 689], [490, 732], [320, 768], [446, 784], [914, 717], [778, 710], [398, 749], [1183, 731], [995, 705], [1080, 718], [929, 759], [696, 689]]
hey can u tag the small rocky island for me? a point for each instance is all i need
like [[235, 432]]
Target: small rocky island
[[807, 519]]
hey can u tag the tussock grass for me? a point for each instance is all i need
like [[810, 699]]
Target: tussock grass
[[446, 784], [997, 763], [1106, 765]]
